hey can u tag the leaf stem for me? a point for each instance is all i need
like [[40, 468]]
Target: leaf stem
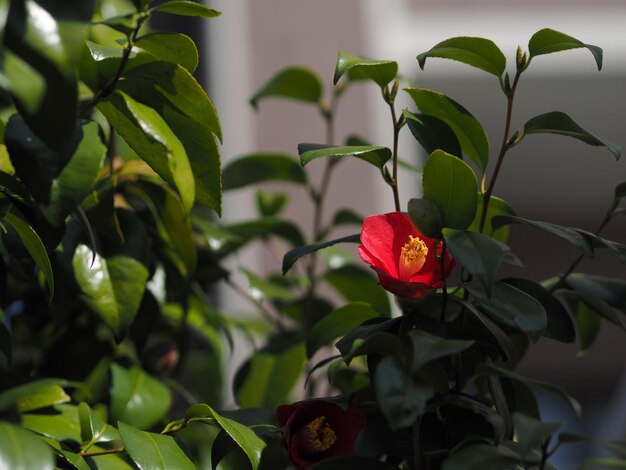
[[576, 261], [506, 145], [108, 88], [442, 267], [396, 133], [117, 450], [544, 453]]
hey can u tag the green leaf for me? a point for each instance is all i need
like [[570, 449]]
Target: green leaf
[[346, 217], [594, 462], [477, 52], [481, 456], [574, 438], [92, 428], [268, 378], [163, 84], [597, 305], [547, 41], [357, 284], [588, 325], [245, 438], [270, 204], [512, 307], [427, 347], [261, 228], [59, 181], [425, 216], [479, 254], [33, 35], [491, 370], [559, 326], [612, 291], [153, 140], [171, 47], [137, 398], [294, 255], [152, 451], [451, 185], [496, 207], [112, 287], [33, 245], [186, 8], [432, 133], [296, 83], [567, 233], [12, 396], [22, 450], [380, 72], [338, 323], [259, 167], [402, 396], [560, 123], [377, 156], [59, 423], [262, 288], [531, 432], [42, 398], [467, 129]]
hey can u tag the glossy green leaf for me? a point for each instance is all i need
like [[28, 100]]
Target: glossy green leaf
[[22, 450], [294, 255], [547, 41], [377, 156], [512, 307], [34, 35], [560, 123], [137, 398], [259, 167], [588, 325], [33, 245], [356, 284], [612, 291], [172, 226], [112, 287], [380, 72], [153, 140], [261, 288], [296, 83], [125, 23], [12, 396], [346, 217], [427, 347], [270, 204], [479, 254], [171, 47], [477, 52], [186, 8], [245, 438], [496, 207], [402, 396], [59, 423], [267, 380], [559, 326], [92, 428], [618, 249], [567, 233], [491, 370], [152, 451], [481, 456], [234, 460], [432, 133], [378, 342], [42, 398], [425, 216], [531, 432], [170, 85], [59, 181], [451, 185], [467, 129], [596, 304], [338, 323], [261, 228]]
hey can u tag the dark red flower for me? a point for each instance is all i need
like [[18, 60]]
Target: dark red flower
[[403, 258], [318, 429]]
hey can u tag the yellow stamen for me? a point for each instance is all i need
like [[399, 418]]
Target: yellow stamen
[[317, 436], [412, 258]]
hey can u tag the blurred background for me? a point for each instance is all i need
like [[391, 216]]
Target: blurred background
[[254, 39]]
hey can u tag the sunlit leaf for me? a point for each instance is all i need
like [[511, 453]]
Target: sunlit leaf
[[547, 41], [296, 83], [380, 72]]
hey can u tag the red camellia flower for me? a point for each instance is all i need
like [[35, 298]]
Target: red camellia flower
[[317, 429], [403, 258]]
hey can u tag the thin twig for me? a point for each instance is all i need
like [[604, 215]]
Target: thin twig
[[266, 312], [394, 157], [117, 450]]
